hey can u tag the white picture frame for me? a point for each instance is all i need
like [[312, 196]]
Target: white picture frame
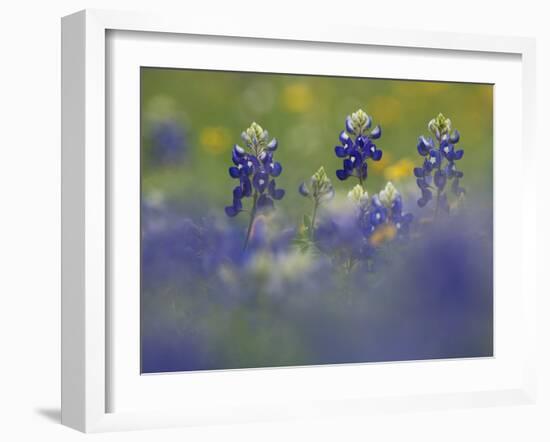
[[87, 204]]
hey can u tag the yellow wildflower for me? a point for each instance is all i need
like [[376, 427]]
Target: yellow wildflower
[[399, 170], [214, 140], [297, 97], [382, 234], [378, 167]]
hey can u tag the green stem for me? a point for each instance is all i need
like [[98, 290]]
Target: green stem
[[251, 222]]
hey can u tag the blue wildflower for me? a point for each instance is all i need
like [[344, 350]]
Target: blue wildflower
[[439, 166], [256, 170], [381, 218], [402, 221], [357, 146], [353, 238], [169, 142]]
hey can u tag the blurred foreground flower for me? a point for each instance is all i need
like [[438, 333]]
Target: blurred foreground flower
[[255, 169], [357, 146], [439, 164], [177, 247], [201, 292], [355, 237]]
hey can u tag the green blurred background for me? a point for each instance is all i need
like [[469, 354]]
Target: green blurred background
[[306, 114]]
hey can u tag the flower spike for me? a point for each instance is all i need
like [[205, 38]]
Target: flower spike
[[357, 146], [439, 164], [255, 169]]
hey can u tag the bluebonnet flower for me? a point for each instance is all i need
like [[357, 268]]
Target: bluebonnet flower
[[439, 166], [351, 238], [357, 146], [320, 190], [381, 218], [392, 200], [318, 187], [169, 141], [256, 170]]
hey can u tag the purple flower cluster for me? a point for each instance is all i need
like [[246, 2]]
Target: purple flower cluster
[[168, 142], [377, 215], [375, 221], [357, 146], [256, 171], [383, 211], [439, 166]]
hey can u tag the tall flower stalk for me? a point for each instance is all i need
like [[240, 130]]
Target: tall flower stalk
[[357, 147], [256, 170], [319, 189], [439, 166]]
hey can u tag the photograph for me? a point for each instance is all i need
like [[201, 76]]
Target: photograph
[[303, 220]]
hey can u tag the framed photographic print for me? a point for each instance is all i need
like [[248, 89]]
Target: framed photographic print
[[291, 222]]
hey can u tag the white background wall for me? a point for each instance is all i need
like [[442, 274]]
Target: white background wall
[[30, 220]]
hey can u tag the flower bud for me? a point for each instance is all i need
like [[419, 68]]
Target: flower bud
[[358, 196], [388, 195]]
